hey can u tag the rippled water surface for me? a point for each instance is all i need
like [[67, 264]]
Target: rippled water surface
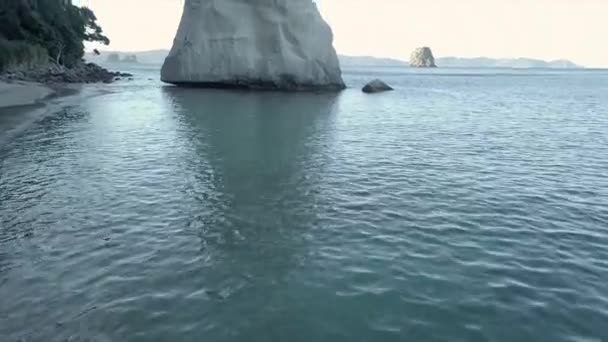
[[465, 206]]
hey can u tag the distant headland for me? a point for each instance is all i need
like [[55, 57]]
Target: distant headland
[[518, 63], [461, 62], [158, 56]]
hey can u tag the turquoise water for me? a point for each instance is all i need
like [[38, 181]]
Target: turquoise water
[[468, 205]]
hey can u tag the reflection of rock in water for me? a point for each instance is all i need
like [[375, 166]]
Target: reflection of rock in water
[[258, 157]]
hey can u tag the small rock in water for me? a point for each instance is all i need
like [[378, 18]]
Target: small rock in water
[[376, 86]]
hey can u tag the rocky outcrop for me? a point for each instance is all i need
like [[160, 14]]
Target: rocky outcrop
[[262, 44], [376, 86], [79, 73], [422, 58]]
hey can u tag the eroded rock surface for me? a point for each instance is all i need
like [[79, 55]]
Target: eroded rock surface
[[422, 58], [262, 44]]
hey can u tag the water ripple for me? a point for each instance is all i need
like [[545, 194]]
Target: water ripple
[[477, 214]]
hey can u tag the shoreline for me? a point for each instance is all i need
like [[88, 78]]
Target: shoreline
[[23, 93], [29, 95], [32, 86], [23, 103]]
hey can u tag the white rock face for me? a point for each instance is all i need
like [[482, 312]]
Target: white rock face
[[258, 44], [422, 58]]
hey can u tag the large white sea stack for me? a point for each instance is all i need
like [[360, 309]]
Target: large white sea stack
[[256, 44]]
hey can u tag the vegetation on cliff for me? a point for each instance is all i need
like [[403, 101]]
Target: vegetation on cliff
[[34, 32]]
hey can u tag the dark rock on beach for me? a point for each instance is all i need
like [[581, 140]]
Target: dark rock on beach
[[81, 73]]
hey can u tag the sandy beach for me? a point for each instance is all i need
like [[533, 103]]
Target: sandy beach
[[23, 103], [20, 93]]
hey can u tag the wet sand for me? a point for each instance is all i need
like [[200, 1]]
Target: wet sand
[[22, 103]]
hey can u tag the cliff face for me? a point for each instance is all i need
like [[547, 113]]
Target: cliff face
[[422, 58], [262, 44]]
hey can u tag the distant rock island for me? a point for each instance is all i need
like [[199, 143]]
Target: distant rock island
[[263, 44], [141, 57], [121, 58], [422, 57], [156, 57]]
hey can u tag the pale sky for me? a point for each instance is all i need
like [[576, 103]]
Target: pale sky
[[546, 29]]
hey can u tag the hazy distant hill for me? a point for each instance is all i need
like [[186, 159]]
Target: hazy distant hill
[[348, 61], [484, 62], [158, 57], [458, 62]]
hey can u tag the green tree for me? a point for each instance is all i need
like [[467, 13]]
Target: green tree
[[93, 32], [57, 26]]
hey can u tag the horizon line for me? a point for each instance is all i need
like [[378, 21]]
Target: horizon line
[[388, 57]]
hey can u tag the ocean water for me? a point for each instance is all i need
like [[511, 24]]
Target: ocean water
[[467, 205]]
